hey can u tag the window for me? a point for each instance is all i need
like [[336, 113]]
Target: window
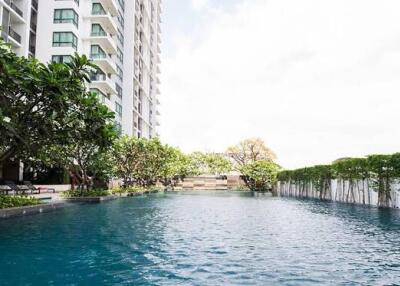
[[99, 75], [97, 30], [61, 58], [120, 73], [118, 109], [97, 9], [96, 52], [65, 39], [120, 55], [118, 127], [119, 90], [66, 16], [121, 19], [122, 4], [120, 37]]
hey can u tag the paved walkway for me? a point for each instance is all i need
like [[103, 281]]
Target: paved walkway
[[53, 196]]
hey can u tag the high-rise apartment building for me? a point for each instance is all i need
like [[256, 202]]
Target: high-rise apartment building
[[121, 36], [18, 22]]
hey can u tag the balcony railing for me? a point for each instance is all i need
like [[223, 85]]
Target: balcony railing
[[99, 12], [98, 34], [14, 35], [14, 7], [98, 77], [98, 56]]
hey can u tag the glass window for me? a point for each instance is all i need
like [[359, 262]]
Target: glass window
[[65, 39], [118, 88], [96, 52], [97, 9], [66, 16], [118, 109], [61, 58], [97, 30]]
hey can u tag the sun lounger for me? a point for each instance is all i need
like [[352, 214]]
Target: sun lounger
[[4, 189], [31, 187], [16, 188]]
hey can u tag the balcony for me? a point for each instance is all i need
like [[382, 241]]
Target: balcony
[[105, 63], [103, 83], [110, 5], [16, 14], [14, 38], [105, 41], [106, 21]]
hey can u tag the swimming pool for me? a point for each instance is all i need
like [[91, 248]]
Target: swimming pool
[[203, 238]]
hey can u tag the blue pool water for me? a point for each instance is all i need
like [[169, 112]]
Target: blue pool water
[[209, 238]]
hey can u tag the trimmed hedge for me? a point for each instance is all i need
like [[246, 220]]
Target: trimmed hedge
[[87, 193], [17, 201], [379, 171]]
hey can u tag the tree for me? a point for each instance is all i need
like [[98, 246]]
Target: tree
[[177, 166], [85, 155], [125, 153], [260, 175], [249, 151], [91, 132], [351, 170], [211, 163], [382, 173], [146, 162], [47, 114], [38, 103], [139, 160]]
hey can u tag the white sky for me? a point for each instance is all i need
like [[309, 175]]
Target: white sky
[[316, 79]]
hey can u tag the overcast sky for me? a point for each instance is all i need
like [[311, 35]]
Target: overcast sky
[[316, 79]]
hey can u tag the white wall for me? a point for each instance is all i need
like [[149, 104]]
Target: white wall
[[363, 193]]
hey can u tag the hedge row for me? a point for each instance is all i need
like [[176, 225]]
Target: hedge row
[[379, 170]]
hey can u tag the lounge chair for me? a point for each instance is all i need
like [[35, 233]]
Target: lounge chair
[[4, 189], [16, 188], [31, 187]]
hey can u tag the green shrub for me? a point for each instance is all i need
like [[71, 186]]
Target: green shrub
[[118, 191], [16, 201], [241, 188], [87, 193], [129, 190], [135, 189]]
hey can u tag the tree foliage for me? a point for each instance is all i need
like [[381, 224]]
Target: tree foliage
[[48, 116], [145, 162], [260, 175], [211, 163], [36, 101], [249, 151], [353, 175], [255, 161]]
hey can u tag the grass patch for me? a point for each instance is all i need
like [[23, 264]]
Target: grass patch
[[17, 201], [86, 193]]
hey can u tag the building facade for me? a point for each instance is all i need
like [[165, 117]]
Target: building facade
[[18, 24], [122, 37]]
